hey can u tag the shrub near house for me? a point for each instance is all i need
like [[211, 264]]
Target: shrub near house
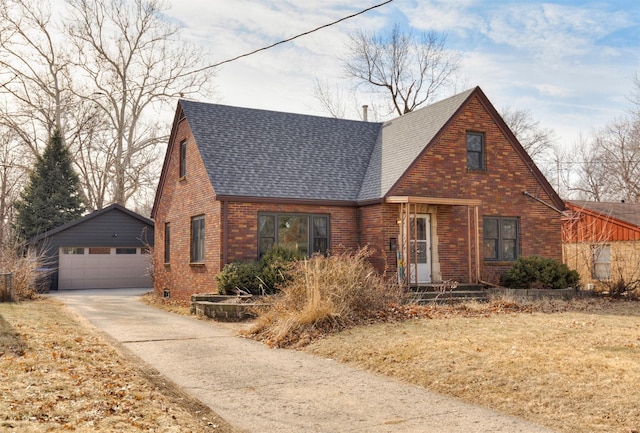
[[262, 277], [539, 273]]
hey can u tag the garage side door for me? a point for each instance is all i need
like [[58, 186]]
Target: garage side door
[[102, 268]]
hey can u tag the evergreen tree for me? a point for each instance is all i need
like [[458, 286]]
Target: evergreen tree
[[52, 196]]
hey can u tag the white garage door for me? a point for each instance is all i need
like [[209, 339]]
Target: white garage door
[[102, 268]]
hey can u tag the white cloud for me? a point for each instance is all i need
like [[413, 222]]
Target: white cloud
[[552, 90], [554, 59], [442, 15]]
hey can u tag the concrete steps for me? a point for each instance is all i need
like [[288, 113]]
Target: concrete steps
[[440, 293]]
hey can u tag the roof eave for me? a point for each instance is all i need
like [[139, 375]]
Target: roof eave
[[285, 200], [596, 214], [178, 117], [88, 217]]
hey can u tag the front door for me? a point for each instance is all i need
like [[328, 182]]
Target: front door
[[420, 249]]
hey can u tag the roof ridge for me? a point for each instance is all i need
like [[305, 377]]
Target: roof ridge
[[265, 110]]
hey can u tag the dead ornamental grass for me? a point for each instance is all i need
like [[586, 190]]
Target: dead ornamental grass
[[325, 294], [56, 374], [573, 371]]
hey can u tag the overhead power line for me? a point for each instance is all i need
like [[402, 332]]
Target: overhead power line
[[289, 39]]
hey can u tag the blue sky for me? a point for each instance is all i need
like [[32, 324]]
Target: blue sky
[[571, 63]]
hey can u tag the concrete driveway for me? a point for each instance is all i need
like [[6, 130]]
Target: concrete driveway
[[259, 389]]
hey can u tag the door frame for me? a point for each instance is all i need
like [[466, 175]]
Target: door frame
[[421, 273]]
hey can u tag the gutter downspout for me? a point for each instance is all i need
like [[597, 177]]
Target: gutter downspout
[[543, 202], [225, 236]]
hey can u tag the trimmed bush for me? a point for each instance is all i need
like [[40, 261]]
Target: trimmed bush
[[239, 276], [536, 272], [276, 267], [261, 277]]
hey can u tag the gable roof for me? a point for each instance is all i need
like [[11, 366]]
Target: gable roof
[[250, 153], [92, 215], [624, 212], [268, 154], [402, 140]]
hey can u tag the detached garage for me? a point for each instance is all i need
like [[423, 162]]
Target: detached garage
[[109, 248]]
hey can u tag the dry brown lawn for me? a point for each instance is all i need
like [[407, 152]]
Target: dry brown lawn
[[573, 367], [570, 366], [57, 374]]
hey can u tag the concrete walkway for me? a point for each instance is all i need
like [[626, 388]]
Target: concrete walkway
[[264, 390]]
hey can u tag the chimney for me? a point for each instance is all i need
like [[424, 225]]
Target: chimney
[[364, 112]]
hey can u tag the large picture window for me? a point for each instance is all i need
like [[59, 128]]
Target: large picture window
[[301, 232], [501, 238], [197, 239], [475, 151]]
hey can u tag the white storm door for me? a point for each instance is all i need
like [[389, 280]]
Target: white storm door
[[420, 249]]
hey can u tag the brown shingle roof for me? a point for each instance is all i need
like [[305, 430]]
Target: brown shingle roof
[[627, 212]]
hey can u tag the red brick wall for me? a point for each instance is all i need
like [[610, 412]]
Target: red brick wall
[[182, 199], [378, 225], [442, 172], [453, 242]]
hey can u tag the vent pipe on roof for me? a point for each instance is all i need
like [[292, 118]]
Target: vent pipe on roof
[[365, 109]]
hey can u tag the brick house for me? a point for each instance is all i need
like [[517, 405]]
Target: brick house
[[444, 192], [601, 240]]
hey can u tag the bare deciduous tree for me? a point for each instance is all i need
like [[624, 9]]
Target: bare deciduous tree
[[332, 102], [34, 73], [590, 172], [13, 173], [340, 104], [126, 50], [409, 70], [610, 163], [536, 139], [102, 77]]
